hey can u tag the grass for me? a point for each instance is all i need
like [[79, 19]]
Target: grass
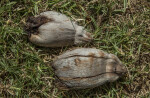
[[121, 27]]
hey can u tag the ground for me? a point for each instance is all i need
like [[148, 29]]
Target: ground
[[121, 27]]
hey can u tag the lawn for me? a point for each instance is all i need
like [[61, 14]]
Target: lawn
[[121, 27]]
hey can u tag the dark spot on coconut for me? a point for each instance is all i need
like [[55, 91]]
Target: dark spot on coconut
[[101, 54], [33, 23], [91, 59], [65, 68], [61, 29], [91, 54], [77, 61]]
